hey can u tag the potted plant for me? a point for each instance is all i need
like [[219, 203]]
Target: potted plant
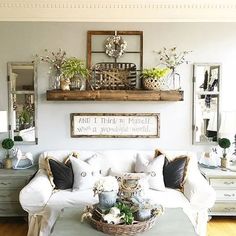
[[107, 189], [75, 70], [152, 78], [224, 143], [8, 144], [25, 119]]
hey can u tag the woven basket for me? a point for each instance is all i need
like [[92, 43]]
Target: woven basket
[[133, 229], [154, 84], [114, 76]]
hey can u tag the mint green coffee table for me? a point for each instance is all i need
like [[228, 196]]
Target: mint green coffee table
[[173, 222]]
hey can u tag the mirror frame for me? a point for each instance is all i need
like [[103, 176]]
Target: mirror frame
[[194, 126], [10, 101]]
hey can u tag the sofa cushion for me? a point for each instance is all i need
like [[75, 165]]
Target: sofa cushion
[[168, 198], [60, 155], [175, 172], [63, 177], [67, 198], [85, 174], [97, 162], [154, 168], [60, 173]]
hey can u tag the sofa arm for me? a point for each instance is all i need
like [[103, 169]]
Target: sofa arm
[[35, 195], [198, 191]]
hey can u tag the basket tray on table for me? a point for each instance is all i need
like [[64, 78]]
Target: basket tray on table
[[123, 229]]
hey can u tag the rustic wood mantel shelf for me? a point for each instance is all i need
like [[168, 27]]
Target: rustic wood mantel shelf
[[114, 95]]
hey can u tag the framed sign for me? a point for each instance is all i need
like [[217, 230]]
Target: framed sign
[[118, 125]]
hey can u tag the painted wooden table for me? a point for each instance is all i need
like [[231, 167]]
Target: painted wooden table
[[224, 183], [172, 222], [11, 182]]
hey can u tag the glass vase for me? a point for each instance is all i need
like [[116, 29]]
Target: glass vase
[[55, 79], [174, 80]]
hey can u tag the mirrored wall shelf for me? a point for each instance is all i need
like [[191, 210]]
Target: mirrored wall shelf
[[114, 95]]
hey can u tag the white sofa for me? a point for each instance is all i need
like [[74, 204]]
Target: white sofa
[[43, 203]]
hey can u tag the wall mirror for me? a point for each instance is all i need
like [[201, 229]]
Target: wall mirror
[[22, 95], [206, 95]]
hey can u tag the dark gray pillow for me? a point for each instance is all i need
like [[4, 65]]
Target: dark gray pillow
[[63, 177], [175, 172]]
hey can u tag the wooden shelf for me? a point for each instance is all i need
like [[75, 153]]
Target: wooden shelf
[[114, 95]]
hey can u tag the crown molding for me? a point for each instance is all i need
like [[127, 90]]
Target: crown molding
[[118, 11]]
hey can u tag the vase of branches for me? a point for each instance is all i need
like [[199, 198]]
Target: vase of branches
[[172, 59]]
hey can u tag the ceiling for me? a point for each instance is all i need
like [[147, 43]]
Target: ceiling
[[118, 11]]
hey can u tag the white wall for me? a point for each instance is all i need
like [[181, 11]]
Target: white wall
[[210, 42]]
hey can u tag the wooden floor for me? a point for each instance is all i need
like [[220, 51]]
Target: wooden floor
[[13, 227], [222, 226], [218, 226]]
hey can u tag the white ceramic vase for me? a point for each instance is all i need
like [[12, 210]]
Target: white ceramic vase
[[107, 199]]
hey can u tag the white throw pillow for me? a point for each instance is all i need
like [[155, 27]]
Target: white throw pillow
[[97, 162], [85, 174], [155, 170]]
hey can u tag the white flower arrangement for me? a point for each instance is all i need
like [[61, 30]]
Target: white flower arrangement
[[171, 58], [107, 183]]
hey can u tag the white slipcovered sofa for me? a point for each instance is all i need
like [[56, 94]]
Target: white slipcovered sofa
[[43, 203]]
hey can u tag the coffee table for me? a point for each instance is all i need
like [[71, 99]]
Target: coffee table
[[173, 222]]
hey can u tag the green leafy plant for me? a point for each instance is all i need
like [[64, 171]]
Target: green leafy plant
[[73, 67], [155, 72], [8, 144], [224, 143], [126, 211], [25, 117]]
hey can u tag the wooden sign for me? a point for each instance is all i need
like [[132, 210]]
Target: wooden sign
[[121, 125]]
